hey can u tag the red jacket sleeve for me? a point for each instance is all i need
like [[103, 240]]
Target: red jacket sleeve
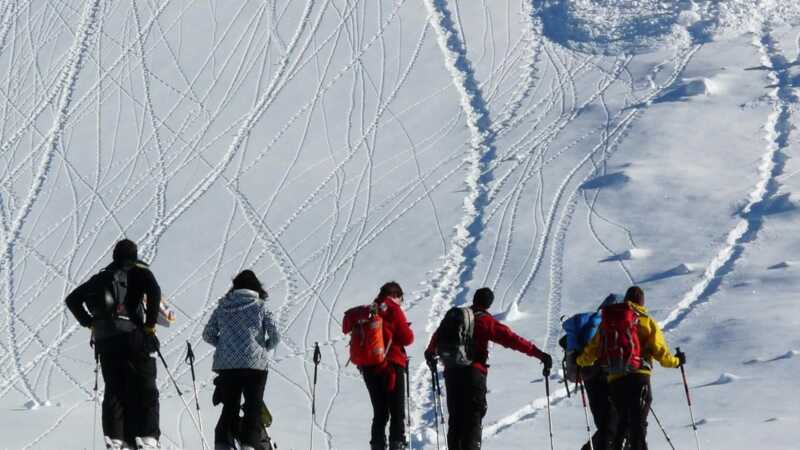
[[503, 335], [401, 331]]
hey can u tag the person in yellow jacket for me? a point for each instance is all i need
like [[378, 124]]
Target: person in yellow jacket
[[630, 393]]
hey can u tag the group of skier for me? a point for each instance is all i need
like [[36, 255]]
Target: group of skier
[[610, 352]]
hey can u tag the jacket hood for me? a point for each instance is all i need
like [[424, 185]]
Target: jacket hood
[[238, 299]]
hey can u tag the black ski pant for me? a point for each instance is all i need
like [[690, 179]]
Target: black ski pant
[[388, 406], [466, 405], [232, 385], [603, 413], [130, 402], [632, 397]]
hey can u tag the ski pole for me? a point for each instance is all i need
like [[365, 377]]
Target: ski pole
[[434, 383], [564, 369], [689, 402], [183, 399], [546, 373], [190, 361], [579, 382], [96, 376], [408, 396], [317, 360], [669, 441]]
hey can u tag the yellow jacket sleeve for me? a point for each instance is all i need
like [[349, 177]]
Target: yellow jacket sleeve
[[656, 345], [591, 352]]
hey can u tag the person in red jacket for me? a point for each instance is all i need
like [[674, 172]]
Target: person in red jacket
[[386, 382], [466, 386]]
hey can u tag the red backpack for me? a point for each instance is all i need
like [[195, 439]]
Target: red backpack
[[620, 350], [365, 326]]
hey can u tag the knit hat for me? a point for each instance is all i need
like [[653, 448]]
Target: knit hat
[[248, 280], [125, 250], [483, 298], [635, 294]]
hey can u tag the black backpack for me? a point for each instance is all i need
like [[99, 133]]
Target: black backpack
[[108, 297], [454, 338]]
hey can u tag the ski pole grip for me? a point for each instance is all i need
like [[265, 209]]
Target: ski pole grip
[[317, 354]]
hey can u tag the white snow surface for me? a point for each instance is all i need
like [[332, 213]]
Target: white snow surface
[[553, 150]]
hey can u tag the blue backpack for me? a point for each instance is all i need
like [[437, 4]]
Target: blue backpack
[[580, 329]]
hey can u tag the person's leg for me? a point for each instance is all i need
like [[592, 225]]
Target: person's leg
[[619, 397], [601, 409], [639, 400], [253, 390], [146, 389], [376, 386], [230, 394], [475, 411], [456, 393], [113, 369], [397, 410]]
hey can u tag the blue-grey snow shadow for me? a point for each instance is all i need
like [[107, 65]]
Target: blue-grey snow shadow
[[683, 91], [608, 180], [775, 205], [676, 271], [788, 355], [615, 258], [607, 30]]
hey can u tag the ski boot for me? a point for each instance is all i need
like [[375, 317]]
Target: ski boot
[[116, 444], [147, 443]]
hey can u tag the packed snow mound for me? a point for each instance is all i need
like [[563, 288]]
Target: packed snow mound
[[686, 89], [630, 254], [615, 26]]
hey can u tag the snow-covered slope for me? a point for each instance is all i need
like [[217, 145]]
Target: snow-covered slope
[[555, 151]]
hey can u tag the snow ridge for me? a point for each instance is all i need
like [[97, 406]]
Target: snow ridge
[[449, 280], [778, 129]]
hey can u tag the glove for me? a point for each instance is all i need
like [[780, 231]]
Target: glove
[[150, 330], [430, 358], [547, 360], [681, 357]]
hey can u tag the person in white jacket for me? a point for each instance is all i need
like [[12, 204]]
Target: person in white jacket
[[243, 332]]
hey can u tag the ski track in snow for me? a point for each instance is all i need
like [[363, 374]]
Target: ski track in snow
[[778, 129], [183, 140]]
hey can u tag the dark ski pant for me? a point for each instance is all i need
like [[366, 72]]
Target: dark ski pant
[[631, 396], [232, 385], [466, 405], [130, 402], [387, 406], [603, 413]]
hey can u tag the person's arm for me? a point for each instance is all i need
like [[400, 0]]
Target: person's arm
[[503, 335], [591, 352], [658, 346], [271, 330], [211, 330], [153, 292], [431, 349], [75, 301], [401, 334]]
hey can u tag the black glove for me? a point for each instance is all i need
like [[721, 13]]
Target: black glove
[[430, 358], [681, 357], [151, 344], [547, 360]]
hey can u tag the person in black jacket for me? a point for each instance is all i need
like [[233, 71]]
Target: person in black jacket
[[120, 304]]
